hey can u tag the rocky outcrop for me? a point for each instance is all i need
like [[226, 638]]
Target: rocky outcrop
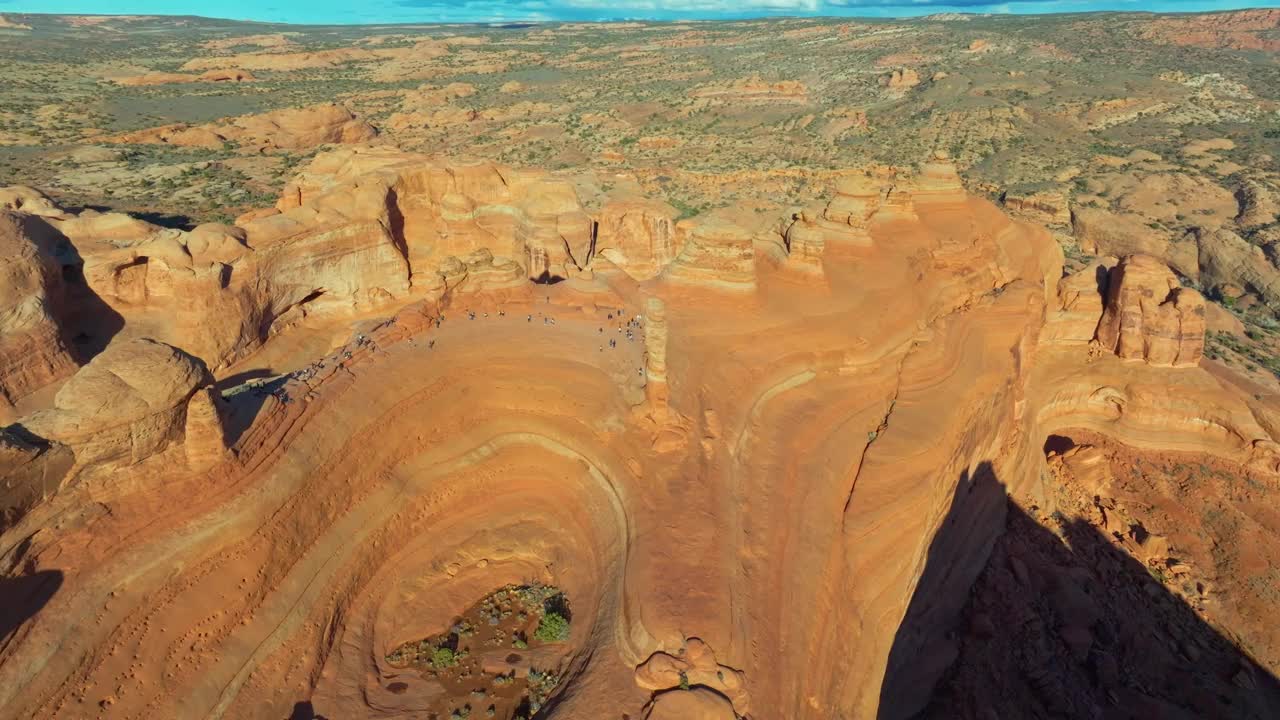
[[638, 235], [1149, 316], [33, 352], [301, 128], [901, 80], [1081, 301], [284, 62], [453, 208], [754, 89], [656, 389], [840, 225], [30, 471], [715, 252], [1259, 204], [694, 704], [208, 291], [1046, 208], [163, 78], [1230, 265], [204, 431], [20, 198], [1101, 232], [1241, 30], [694, 664], [798, 474], [124, 406], [938, 181], [289, 129]]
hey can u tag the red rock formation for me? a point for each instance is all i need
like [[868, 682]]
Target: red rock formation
[[1150, 316], [774, 472], [901, 79], [32, 349], [1241, 30], [638, 235], [283, 62], [162, 78], [715, 251], [1046, 208], [754, 89], [696, 704], [125, 405], [290, 129]]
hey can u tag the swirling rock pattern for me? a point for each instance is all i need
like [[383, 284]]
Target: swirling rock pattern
[[736, 474]]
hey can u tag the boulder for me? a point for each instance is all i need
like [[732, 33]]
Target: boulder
[[125, 405]]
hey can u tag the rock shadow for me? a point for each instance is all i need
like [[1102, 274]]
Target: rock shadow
[[1060, 623], [304, 710], [922, 648], [242, 397], [87, 322], [22, 597], [175, 221]]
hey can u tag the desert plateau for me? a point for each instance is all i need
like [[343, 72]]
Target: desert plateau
[[777, 368]]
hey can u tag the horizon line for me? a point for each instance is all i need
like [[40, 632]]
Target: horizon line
[[661, 21]]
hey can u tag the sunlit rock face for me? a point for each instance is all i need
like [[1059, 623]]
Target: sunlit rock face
[[741, 447], [1150, 316]]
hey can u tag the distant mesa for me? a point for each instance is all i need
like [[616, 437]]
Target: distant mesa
[[161, 78], [289, 129], [754, 89], [7, 24]]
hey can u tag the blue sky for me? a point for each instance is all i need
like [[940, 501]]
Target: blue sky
[[383, 11]]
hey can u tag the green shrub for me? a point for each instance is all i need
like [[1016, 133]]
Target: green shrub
[[554, 627], [443, 657]]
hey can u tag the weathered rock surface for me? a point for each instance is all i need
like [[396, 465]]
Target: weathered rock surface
[[841, 224], [1226, 260], [289, 129], [695, 704], [1259, 204], [1101, 232], [162, 78], [901, 79], [715, 252], [806, 476], [638, 235], [126, 404], [754, 89], [33, 351], [1046, 208], [30, 471], [1150, 316]]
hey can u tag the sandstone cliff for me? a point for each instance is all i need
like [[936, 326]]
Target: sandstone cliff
[[764, 458]]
